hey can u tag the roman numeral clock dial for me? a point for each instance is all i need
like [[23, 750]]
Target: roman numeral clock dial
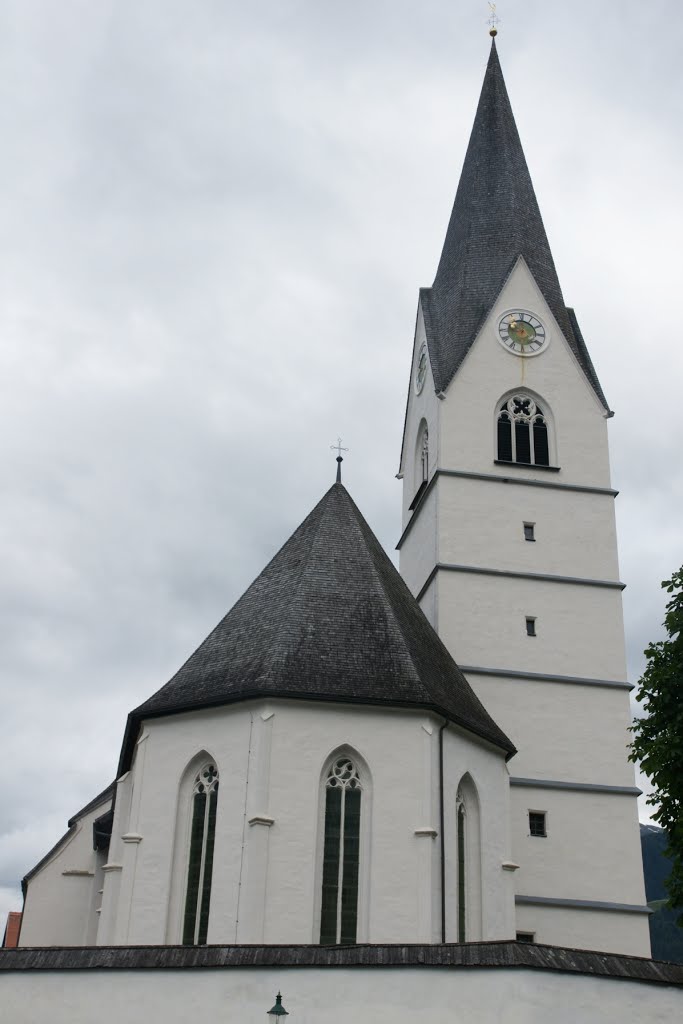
[[521, 332]]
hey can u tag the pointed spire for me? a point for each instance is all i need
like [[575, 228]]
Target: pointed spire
[[495, 220]]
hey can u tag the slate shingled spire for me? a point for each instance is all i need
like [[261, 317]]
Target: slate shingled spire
[[329, 619], [495, 220]]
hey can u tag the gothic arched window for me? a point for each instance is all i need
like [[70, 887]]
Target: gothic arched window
[[341, 853], [522, 432], [200, 859], [465, 921]]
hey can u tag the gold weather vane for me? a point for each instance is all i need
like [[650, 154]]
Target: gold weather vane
[[340, 457], [493, 21]]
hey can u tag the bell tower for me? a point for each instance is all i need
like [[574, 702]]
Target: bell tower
[[509, 543]]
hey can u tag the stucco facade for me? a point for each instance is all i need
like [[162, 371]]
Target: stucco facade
[[271, 760]]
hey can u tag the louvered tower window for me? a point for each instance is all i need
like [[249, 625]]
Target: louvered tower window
[[522, 432], [341, 854], [200, 860]]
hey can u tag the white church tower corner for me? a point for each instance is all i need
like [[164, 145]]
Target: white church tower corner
[[509, 542]]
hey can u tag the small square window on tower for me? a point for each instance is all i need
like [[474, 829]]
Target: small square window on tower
[[537, 824], [530, 626], [525, 936], [529, 531]]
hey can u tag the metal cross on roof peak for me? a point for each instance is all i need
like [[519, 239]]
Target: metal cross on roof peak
[[493, 21], [340, 458]]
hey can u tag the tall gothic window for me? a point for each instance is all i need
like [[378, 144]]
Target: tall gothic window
[[522, 432], [341, 853], [200, 861]]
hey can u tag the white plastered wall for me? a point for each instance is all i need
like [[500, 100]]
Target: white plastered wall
[[579, 629], [267, 866], [364, 996], [63, 898], [422, 407], [489, 372]]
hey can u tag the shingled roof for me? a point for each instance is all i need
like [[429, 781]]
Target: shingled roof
[[329, 619], [495, 220]]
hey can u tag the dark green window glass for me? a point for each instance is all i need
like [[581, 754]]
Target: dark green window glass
[[349, 900], [328, 919], [200, 860], [341, 855], [462, 909]]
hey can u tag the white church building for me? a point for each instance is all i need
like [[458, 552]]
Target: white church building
[[372, 790]]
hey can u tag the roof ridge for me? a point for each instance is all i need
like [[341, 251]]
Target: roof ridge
[[301, 575], [360, 522]]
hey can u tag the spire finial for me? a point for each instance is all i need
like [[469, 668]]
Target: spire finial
[[493, 21], [339, 450]]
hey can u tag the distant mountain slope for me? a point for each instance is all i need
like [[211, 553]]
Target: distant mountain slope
[[665, 935]]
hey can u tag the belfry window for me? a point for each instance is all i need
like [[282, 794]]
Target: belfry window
[[200, 860], [522, 432], [341, 854]]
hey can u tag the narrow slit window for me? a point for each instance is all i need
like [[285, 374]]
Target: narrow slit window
[[530, 626], [200, 860], [529, 531], [341, 854], [537, 824], [525, 936], [462, 906]]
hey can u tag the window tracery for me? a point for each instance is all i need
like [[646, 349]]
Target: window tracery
[[522, 432]]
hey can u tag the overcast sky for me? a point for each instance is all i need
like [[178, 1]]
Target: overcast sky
[[214, 220]]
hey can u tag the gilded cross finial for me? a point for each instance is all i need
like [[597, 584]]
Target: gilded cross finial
[[493, 21], [340, 458]]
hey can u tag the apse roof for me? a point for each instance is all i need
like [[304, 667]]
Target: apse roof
[[328, 619], [495, 220]]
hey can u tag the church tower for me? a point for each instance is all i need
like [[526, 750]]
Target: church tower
[[509, 542]]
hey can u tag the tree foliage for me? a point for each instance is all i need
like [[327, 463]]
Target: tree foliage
[[658, 736]]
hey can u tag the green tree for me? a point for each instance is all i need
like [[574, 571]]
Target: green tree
[[658, 736]]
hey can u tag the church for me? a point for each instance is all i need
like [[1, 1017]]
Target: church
[[371, 789]]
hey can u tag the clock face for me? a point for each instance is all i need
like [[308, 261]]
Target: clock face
[[522, 333], [421, 371]]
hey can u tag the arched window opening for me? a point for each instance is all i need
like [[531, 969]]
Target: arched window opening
[[341, 853], [522, 432], [200, 859], [421, 463], [462, 870], [465, 865], [424, 456]]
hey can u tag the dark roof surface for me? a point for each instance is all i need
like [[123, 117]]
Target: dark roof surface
[[524, 955], [495, 220], [328, 619]]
